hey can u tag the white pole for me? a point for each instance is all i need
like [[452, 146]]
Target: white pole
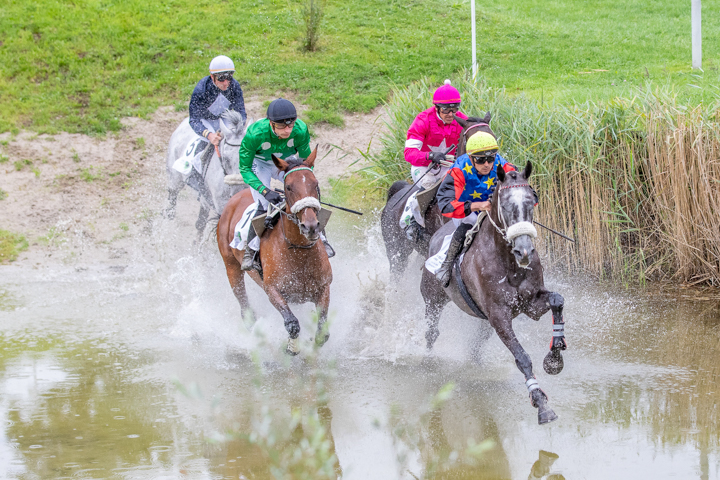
[[474, 49], [696, 35]]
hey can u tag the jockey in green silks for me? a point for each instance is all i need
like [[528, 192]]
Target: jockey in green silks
[[281, 134]]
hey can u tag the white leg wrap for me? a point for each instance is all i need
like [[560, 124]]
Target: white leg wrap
[[531, 385], [293, 346], [558, 330]]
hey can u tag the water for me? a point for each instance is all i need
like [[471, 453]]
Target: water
[[144, 369]]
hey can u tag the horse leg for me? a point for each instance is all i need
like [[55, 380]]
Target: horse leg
[[553, 363], [322, 335], [202, 219], [292, 325], [538, 399], [435, 300], [237, 282]]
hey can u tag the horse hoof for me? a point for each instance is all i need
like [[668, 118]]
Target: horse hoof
[[546, 416], [292, 347], [553, 363], [320, 339]]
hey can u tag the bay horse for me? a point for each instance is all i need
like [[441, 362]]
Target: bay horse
[[295, 264], [397, 246], [501, 277], [215, 192]]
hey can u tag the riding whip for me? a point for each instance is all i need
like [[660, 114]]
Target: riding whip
[[555, 232], [330, 205], [418, 180]]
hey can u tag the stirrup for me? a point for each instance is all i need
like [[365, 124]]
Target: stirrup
[[248, 261], [329, 249]]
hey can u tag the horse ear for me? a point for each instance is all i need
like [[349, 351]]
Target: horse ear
[[528, 169], [487, 118], [461, 121], [501, 173], [281, 164], [310, 160]]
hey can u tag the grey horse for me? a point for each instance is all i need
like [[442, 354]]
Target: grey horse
[[222, 177]]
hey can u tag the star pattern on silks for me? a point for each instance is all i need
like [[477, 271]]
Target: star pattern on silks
[[475, 194], [468, 168], [489, 182], [440, 148]]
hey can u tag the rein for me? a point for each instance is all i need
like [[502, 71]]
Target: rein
[[297, 207]]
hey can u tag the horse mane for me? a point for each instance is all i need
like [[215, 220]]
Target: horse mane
[[233, 120], [294, 161]]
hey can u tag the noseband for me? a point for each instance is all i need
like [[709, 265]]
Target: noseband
[[510, 233]]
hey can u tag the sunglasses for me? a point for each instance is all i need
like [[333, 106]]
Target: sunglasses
[[221, 77], [449, 109], [480, 160], [288, 122]]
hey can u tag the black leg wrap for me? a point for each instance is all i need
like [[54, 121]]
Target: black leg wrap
[[292, 325]]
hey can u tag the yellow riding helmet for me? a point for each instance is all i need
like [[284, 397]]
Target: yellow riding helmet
[[481, 142]]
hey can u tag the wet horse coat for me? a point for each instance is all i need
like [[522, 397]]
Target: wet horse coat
[[503, 275], [296, 267]]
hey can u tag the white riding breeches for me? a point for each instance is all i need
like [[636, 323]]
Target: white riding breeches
[[265, 171]]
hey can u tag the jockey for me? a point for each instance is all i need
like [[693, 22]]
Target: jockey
[[431, 134], [466, 190], [282, 134], [212, 95]]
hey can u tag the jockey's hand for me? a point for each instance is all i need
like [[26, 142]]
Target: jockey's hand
[[478, 206], [435, 158], [215, 138], [272, 196]]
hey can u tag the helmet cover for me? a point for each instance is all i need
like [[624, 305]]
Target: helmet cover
[[220, 64], [281, 109], [446, 94], [481, 142]]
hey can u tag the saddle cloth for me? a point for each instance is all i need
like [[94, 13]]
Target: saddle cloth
[[243, 227]]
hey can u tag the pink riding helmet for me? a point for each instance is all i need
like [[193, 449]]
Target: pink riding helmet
[[446, 94]]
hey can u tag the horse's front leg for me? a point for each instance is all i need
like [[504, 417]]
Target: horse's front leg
[[292, 325], [553, 363], [322, 335], [538, 399]]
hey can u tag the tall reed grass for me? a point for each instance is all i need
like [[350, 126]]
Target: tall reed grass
[[635, 180]]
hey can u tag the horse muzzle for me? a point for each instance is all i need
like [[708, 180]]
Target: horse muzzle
[[310, 228], [523, 249]]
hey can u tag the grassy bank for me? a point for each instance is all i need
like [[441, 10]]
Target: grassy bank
[[11, 244], [635, 179], [81, 65]]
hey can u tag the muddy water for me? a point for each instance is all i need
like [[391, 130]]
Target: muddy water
[[144, 369]]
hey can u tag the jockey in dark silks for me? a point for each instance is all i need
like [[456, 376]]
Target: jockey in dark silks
[[212, 96], [283, 135], [466, 190]]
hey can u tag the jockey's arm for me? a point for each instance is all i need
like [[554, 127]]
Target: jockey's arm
[[249, 145], [449, 193], [302, 142], [198, 105], [415, 139]]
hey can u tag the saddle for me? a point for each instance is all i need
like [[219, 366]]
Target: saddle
[[427, 197]]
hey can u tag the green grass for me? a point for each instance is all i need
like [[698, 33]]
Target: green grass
[[11, 244], [80, 66], [3, 194]]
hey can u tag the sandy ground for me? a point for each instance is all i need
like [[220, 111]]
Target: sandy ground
[[75, 196]]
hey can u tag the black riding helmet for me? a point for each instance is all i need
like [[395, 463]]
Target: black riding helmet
[[281, 110]]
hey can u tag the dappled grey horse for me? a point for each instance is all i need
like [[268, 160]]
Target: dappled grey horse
[[501, 277], [216, 190]]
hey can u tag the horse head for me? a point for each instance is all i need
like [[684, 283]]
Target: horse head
[[514, 200], [302, 195], [233, 129], [470, 126]]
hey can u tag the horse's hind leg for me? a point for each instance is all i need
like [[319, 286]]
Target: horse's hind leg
[[237, 282], [292, 324], [435, 300], [538, 399]]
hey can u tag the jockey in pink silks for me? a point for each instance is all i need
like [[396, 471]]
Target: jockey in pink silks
[[431, 134]]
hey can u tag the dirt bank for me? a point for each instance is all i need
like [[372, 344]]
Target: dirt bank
[[82, 198]]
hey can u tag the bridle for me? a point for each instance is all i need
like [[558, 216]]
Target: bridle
[[509, 234], [297, 207]]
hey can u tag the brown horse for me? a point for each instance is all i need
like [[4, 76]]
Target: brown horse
[[397, 246], [295, 264], [501, 278]]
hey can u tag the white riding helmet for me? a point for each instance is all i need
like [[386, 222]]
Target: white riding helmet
[[220, 64]]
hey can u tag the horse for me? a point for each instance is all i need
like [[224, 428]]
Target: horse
[[295, 265], [215, 192], [500, 278], [397, 246]]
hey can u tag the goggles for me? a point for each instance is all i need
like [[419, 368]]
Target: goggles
[[222, 76], [288, 122], [482, 158], [448, 107]]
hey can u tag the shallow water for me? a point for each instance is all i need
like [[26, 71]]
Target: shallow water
[[145, 370]]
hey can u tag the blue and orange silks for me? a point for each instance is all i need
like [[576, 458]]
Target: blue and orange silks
[[463, 185]]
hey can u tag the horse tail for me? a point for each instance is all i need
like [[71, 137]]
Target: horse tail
[[211, 227], [396, 187]]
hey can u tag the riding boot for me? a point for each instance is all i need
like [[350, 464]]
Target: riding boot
[[458, 240], [249, 257]]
